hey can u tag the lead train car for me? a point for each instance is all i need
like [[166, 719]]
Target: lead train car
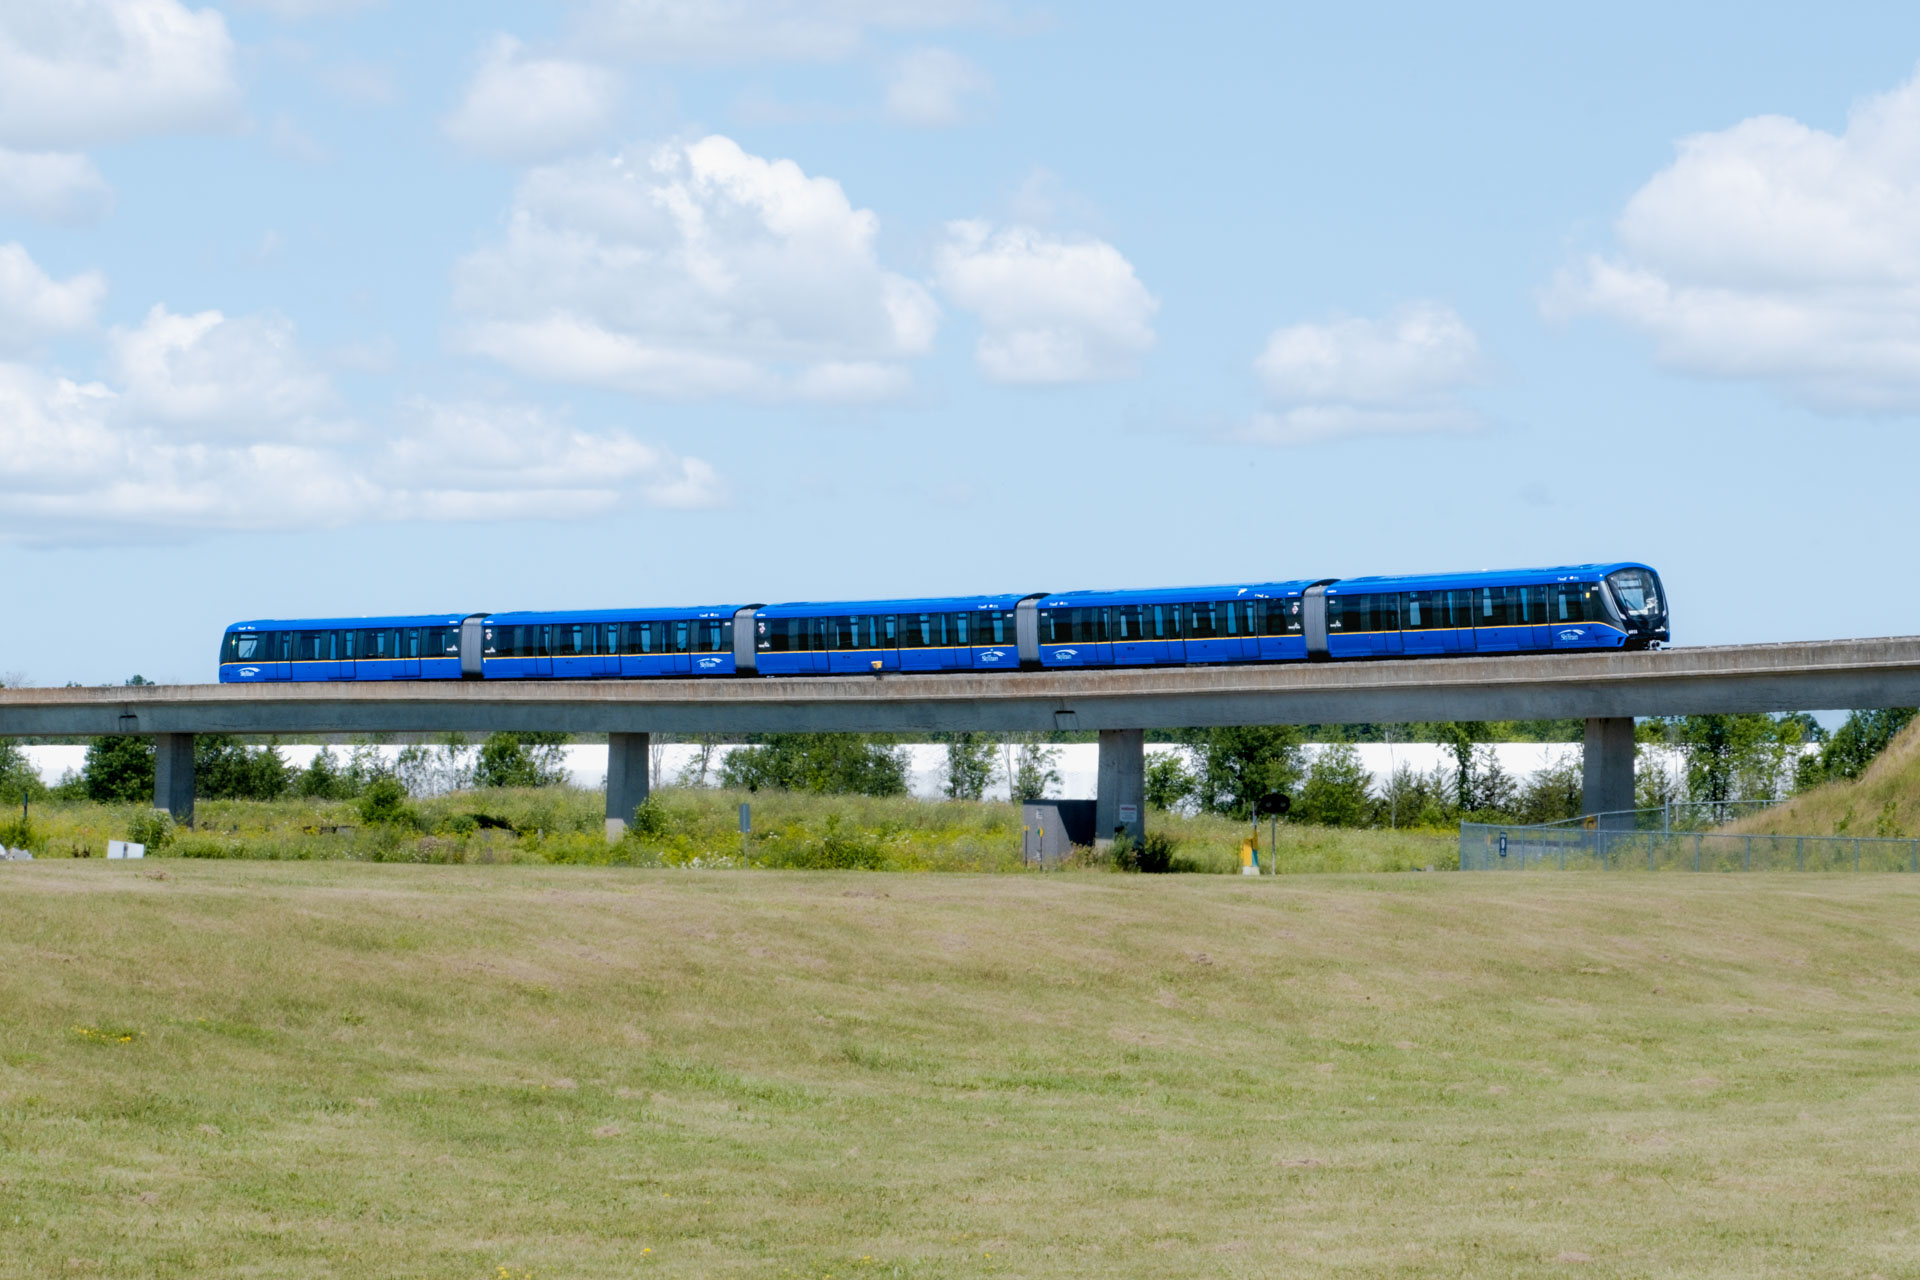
[[1577, 607]]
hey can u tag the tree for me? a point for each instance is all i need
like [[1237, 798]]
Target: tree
[[1334, 793], [323, 778], [1494, 790], [1239, 765], [1170, 784], [119, 770], [1739, 757], [521, 760], [823, 763], [1458, 737], [1856, 743], [19, 780], [969, 766], [223, 769], [1035, 771], [1553, 794]]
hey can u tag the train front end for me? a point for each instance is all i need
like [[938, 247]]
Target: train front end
[[1642, 604]]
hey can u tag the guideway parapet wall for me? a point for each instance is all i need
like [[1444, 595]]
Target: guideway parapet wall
[[1607, 687]]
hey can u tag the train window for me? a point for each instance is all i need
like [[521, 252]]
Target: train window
[[1492, 607], [1199, 622], [245, 646], [679, 637], [307, 646], [916, 630], [1126, 622], [1166, 622], [1090, 626], [1233, 617]]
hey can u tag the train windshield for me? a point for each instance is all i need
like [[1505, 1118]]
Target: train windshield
[[1638, 593]]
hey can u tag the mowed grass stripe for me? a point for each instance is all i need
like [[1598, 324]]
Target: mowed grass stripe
[[325, 1068]]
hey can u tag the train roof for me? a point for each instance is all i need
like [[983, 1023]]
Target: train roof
[[1483, 578], [924, 604], [1173, 595], [342, 624], [530, 616]]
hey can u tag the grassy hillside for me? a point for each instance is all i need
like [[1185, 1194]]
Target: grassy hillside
[[297, 1069], [1883, 801], [692, 827]]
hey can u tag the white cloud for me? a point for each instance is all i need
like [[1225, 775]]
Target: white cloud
[[469, 462], [1051, 309], [526, 108], [219, 376], [929, 88], [693, 270], [296, 10], [1779, 253], [760, 30], [34, 306], [1360, 377], [53, 186], [79, 464], [77, 72]]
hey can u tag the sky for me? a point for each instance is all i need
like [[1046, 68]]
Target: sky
[[342, 307]]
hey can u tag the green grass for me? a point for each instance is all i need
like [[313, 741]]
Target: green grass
[[1883, 802], [330, 1068], [698, 827]]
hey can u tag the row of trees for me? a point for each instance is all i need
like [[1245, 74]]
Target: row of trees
[[121, 770]]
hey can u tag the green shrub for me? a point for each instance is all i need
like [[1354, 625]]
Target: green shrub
[[384, 803], [154, 829], [649, 820], [1156, 853]]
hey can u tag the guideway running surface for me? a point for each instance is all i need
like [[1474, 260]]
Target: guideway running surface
[[1606, 690]]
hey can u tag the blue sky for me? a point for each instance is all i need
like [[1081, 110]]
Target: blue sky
[[316, 307]]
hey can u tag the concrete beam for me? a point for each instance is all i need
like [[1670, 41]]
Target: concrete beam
[[1607, 769], [1783, 677], [1121, 781], [173, 775], [629, 778]]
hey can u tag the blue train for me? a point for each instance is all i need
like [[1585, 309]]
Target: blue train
[[1576, 607]]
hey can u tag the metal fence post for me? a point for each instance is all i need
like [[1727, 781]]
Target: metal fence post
[[1799, 853], [1696, 851], [1749, 862], [1649, 851], [1856, 855]]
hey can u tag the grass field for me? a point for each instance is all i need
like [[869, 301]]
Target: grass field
[[332, 1068], [696, 826]]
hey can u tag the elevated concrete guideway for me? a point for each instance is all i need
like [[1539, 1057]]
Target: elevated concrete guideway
[[1606, 689]]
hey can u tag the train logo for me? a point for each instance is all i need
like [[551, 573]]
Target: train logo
[[1573, 634], [249, 671], [709, 663], [1064, 654], [992, 655]]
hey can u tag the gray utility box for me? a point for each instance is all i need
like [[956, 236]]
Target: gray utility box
[[1049, 829]]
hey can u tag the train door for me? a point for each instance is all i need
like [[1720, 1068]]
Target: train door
[[343, 653], [680, 629], [1132, 646], [1422, 629], [1495, 629], [606, 649], [1204, 631], [406, 656]]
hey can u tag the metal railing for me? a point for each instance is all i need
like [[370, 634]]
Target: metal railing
[[1485, 847]]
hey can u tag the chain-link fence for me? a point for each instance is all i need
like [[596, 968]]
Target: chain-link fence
[[1484, 847]]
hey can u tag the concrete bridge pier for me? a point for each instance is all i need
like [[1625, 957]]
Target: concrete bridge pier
[[628, 781], [1608, 769], [1122, 781], [173, 775]]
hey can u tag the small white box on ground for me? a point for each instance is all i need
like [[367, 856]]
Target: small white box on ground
[[125, 849]]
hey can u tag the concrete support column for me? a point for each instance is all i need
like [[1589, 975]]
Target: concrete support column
[[1122, 781], [1608, 768], [173, 775], [628, 783]]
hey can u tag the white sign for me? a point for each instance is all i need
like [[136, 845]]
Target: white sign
[[125, 849], [1129, 814]]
